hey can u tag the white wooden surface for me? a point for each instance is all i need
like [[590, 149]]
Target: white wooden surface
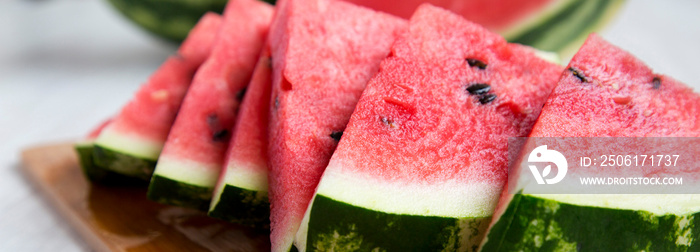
[[65, 65]]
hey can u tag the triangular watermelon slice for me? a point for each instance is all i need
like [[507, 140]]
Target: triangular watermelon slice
[[193, 154], [606, 92], [323, 52], [423, 159], [240, 194], [131, 143]]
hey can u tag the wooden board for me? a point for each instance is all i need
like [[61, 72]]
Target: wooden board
[[122, 219]]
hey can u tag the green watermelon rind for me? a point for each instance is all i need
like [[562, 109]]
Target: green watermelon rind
[[241, 195], [246, 207], [96, 173], [534, 223], [564, 29], [336, 225], [125, 164], [183, 183], [176, 193]]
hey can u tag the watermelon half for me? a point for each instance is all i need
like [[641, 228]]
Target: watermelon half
[[423, 159], [193, 154], [131, 143], [550, 25], [606, 92], [240, 194], [323, 52]]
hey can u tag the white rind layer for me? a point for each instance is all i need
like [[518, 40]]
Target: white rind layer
[[246, 176], [129, 144], [452, 198], [660, 204], [187, 171]]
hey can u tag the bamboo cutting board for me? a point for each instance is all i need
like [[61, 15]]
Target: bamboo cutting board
[[122, 219]]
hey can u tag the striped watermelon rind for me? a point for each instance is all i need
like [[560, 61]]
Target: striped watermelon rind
[[172, 192], [125, 164], [334, 224], [563, 26], [96, 173], [243, 206], [533, 222]]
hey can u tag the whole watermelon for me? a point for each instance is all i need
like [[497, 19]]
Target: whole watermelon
[[169, 19]]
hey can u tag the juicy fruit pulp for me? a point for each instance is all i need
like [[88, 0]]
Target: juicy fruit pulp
[[605, 91], [314, 92], [427, 141], [194, 151]]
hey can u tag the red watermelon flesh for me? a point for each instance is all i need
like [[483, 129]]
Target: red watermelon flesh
[[195, 148], [151, 112], [429, 135], [323, 53], [244, 174], [632, 99]]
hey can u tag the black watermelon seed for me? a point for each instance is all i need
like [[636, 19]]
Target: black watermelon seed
[[277, 102], [336, 135], [487, 98], [656, 82], [479, 88], [579, 74], [241, 94], [476, 63], [220, 136]]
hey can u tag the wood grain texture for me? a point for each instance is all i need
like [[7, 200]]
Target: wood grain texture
[[121, 218]]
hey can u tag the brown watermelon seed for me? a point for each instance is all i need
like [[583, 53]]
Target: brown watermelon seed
[[336, 135], [220, 136], [476, 63], [478, 89], [241, 94], [388, 122], [579, 74], [656, 83], [487, 98]]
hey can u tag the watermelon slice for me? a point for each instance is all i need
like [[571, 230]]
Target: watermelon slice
[[131, 143], [194, 151], [423, 159], [551, 25], [606, 92], [240, 195], [323, 52]]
